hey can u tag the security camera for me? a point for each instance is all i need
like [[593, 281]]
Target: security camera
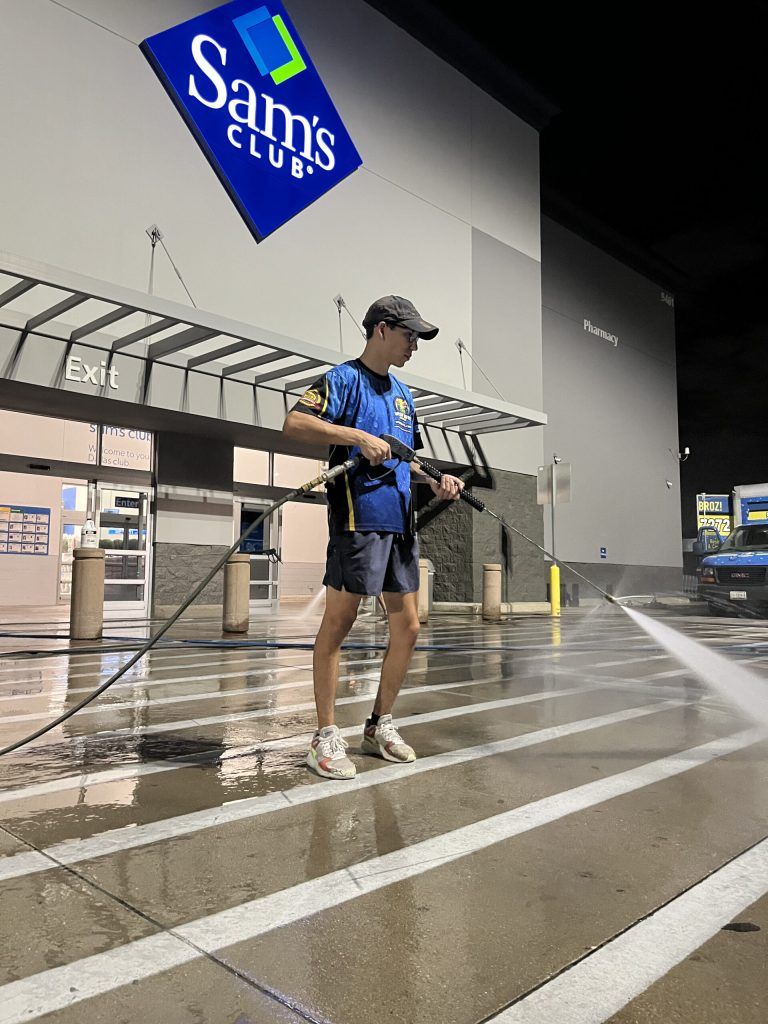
[[668, 483], [556, 459]]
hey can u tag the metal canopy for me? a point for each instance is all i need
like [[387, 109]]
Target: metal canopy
[[171, 333]]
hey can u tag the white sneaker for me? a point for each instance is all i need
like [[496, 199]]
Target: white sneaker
[[327, 755], [383, 740]]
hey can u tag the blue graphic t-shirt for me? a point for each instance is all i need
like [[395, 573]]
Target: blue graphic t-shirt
[[370, 497]]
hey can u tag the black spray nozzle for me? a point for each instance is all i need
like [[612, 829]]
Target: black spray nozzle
[[399, 450]]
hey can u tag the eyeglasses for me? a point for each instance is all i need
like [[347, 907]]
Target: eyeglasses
[[412, 336]]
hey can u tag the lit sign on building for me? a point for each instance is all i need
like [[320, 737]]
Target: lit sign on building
[[592, 329], [247, 89], [714, 510]]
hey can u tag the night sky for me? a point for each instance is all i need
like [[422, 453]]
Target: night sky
[[653, 121]]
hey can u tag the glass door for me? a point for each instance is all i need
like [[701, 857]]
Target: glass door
[[123, 521], [264, 548], [74, 505]]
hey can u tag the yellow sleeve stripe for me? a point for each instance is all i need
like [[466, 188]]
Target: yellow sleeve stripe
[[351, 517]]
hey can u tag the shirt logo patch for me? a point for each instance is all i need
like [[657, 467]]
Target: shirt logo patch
[[312, 398], [402, 413]]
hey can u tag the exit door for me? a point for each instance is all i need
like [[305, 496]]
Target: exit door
[[123, 522], [264, 548]]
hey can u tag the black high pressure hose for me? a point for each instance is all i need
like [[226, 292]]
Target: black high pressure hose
[[310, 485], [399, 451]]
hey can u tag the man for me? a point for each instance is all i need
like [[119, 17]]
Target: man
[[372, 547]]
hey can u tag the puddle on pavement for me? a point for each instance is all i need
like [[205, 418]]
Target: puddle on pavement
[[176, 748]]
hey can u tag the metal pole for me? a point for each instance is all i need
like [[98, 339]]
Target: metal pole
[[554, 499], [554, 569], [140, 527], [155, 234]]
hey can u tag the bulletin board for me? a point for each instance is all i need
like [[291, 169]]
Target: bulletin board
[[24, 530]]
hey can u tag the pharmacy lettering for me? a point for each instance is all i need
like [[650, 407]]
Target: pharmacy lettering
[[243, 82]]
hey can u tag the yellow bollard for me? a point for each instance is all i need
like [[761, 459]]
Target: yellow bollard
[[554, 590]]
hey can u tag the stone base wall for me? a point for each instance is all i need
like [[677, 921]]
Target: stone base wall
[[459, 541], [447, 541], [178, 568], [514, 497]]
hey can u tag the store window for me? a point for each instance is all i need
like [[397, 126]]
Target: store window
[[46, 437], [291, 471], [124, 447], [42, 437], [251, 466]]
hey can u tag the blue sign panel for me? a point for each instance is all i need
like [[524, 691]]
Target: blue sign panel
[[247, 89], [24, 530]]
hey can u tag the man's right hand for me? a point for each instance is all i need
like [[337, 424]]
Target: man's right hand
[[373, 448]]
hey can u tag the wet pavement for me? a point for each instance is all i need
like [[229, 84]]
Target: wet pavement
[[582, 839]]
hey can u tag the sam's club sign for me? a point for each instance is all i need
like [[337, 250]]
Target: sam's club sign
[[242, 80]]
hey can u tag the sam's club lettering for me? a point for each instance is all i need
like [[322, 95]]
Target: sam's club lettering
[[245, 85]]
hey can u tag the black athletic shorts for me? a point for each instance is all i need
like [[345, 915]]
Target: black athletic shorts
[[371, 563]]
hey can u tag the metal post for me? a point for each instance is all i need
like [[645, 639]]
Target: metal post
[[155, 234], [554, 499], [554, 570], [140, 523]]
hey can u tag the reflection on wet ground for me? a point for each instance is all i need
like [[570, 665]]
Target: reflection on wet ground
[[571, 780]]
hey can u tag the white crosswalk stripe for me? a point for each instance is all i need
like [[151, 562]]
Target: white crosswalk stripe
[[596, 988]]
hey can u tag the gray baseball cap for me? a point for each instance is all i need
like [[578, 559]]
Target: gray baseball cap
[[394, 308]]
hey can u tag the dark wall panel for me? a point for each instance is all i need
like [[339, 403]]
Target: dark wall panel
[[192, 461]]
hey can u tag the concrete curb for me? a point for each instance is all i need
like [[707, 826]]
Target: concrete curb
[[475, 608]]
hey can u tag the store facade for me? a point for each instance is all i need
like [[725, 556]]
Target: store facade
[[98, 326]]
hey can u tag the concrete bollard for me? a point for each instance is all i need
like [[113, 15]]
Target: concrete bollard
[[237, 585], [423, 596], [86, 610], [491, 593]]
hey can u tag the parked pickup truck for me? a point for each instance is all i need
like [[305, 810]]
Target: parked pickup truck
[[735, 576]]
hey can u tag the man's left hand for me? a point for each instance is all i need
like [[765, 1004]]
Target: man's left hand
[[449, 488]]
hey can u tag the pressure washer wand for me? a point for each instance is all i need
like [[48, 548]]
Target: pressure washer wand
[[406, 454]]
